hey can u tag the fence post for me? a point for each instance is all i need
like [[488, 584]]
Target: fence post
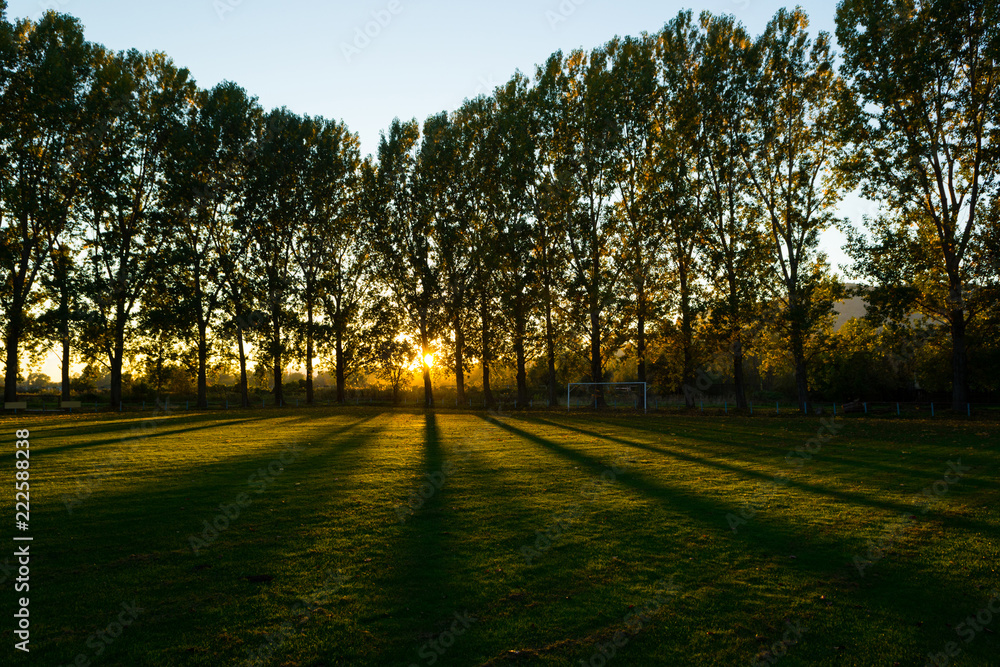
[[932, 409], [866, 407], [897, 408], [968, 409]]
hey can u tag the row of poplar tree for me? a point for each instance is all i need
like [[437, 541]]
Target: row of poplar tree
[[681, 177]]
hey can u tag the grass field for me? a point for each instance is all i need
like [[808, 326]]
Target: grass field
[[391, 537]]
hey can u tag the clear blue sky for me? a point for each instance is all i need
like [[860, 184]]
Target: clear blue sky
[[426, 58]]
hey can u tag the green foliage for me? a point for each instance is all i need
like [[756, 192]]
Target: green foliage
[[921, 119]]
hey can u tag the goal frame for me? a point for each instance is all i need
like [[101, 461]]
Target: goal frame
[[569, 387]]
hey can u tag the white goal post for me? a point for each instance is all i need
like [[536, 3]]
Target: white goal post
[[637, 385]]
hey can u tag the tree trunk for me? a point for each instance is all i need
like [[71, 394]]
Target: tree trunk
[[459, 362], [202, 400], [737, 345], [11, 340], [959, 362], [309, 353], [596, 373], [741, 396], [65, 366], [202, 365], [550, 345], [116, 369], [244, 384], [279, 389], [159, 372], [641, 333], [428, 389], [64, 336], [522, 374], [484, 317], [799, 357], [685, 294], [341, 371], [15, 327]]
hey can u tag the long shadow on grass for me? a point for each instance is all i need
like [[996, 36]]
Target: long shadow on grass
[[825, 559], [815, 489], [154, 524], [421, 583], [918, 470], [141, 434], [209, 472], [765, 533]]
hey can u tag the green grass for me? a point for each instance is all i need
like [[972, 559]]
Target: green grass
[[325, 562]]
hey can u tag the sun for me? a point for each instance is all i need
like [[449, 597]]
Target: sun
[[429, 360]]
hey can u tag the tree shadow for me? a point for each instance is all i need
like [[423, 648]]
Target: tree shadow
[[815, 489], [917, 471]]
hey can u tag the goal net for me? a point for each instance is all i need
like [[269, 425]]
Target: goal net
[[606, 395]]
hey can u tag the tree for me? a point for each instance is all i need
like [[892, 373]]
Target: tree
[[270, 211], [231, 137], [61, 322], [677, 184], [45, 68], [637, 93], [925, 77], [329, 245], [135, 103], [455, 221], [400, 231], [733, 243], [553, 202], [790, 143], [384, 347], [507, 181], [583, 135], [197, 193], [475, 124]]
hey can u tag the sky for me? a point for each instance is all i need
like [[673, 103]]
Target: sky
[[371, 61]]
